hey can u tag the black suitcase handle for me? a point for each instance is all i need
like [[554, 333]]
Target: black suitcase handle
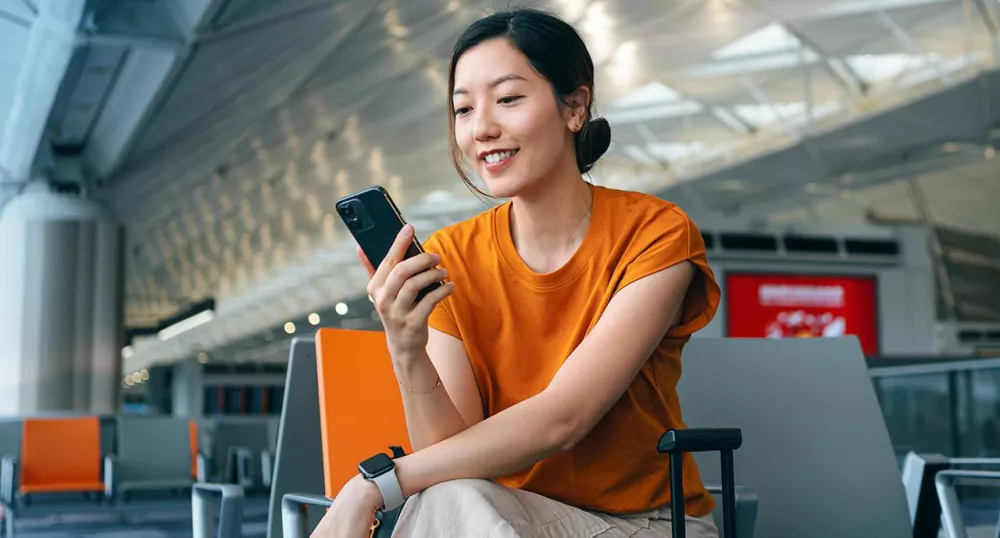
[[722, 440]]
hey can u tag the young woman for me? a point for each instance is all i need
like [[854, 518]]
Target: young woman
[[537, 382]]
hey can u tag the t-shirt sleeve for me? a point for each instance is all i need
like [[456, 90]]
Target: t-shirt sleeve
[[665, 241], [442, 317]]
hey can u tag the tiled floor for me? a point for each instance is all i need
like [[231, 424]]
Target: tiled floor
[[166, 519], [172, 519]]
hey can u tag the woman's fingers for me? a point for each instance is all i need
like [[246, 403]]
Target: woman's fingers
[[423, 309], [406, 270], [412, 286]]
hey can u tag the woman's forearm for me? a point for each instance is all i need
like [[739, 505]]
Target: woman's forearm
[[431, 415], [500, 445]]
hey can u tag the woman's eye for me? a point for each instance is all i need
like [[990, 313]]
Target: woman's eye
[[510, 99], [461, 110]]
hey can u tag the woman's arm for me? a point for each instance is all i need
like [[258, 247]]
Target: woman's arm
[[444, 411], [588, 384]]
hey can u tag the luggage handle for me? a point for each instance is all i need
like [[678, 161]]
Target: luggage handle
[[722, 440]]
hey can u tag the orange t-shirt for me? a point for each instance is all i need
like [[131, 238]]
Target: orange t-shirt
[[519, 326]]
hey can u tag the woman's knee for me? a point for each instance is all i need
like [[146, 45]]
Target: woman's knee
[[459, 489]]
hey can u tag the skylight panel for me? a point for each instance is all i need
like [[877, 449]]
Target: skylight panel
[[771, 38]]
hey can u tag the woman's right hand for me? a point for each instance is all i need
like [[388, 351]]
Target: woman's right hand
[[394, 286]]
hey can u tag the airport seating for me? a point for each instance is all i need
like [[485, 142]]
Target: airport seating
[[47, 465], [10, 447], [154, 453], [930, 481], [197, 461], [815, 444], [347, 409], [243, 449], [298, 452]]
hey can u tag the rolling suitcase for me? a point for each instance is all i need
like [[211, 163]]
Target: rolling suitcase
[[722, 440]]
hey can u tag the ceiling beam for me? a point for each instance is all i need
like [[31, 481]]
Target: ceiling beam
[[907, 40], [50, 48]]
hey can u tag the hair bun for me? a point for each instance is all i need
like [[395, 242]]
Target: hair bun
[[592, 142]]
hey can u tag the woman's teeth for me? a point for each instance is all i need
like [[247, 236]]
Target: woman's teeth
[[493, 158]]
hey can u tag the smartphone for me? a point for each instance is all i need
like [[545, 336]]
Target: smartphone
[[375, 221]]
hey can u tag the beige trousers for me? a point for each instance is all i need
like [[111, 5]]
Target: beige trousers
[[481, 508]]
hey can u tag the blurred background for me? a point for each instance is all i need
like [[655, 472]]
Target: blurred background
[[168, 170]]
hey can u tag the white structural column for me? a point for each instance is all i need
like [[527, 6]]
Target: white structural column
[[60, 305]]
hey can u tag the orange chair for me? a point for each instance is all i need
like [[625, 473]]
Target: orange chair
[[360, 413], [360, 408], [193, 436], [61, 455]]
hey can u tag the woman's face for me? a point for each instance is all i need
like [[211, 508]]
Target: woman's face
[[508, 123]]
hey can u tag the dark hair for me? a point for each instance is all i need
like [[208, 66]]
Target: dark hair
[[556, 51]]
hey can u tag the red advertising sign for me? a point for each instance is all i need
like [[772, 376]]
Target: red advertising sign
[[799, 306]]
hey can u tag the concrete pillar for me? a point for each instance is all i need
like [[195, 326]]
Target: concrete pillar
[[188, 392], [60, 305]]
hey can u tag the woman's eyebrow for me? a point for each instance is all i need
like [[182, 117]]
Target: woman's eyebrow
[[498, 81]]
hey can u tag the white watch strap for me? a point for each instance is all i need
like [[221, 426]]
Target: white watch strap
[[392, 494]]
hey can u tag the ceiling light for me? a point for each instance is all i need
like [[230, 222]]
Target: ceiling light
[[186, 324], [314, 318], [341, 308], [144, 374], [290, 328], [124, 384], [128, 381], [202, 357], [137, 377], [127, 352]]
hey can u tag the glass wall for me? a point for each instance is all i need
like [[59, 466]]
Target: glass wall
[[950, 407]]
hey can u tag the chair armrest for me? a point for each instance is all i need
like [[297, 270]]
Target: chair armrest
[[109, 476], [266, 467], [230, 513], [244, 466], [951, 515], [201, 463], [8, 480], [294, 520], [746, 509], [700, 440]]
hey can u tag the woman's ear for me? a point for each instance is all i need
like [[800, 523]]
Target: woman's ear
[[577, 104]]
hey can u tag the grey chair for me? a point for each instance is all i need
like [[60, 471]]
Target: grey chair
[[154, 453], [930, 481], [10, 450], [241, 453], [815, 446], [298, 461], [299, 457]]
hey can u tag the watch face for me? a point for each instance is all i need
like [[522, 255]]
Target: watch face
[[376, 465]]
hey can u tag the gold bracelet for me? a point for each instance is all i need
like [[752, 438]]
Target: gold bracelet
[[428, 391]]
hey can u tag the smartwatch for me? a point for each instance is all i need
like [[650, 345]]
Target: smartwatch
[[381, 470]]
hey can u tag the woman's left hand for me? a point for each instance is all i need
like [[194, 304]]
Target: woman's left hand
[[353, 511]]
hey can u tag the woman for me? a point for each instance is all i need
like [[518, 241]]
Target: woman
[[537, 382]]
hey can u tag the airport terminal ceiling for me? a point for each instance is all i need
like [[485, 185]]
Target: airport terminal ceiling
[[221, 131]]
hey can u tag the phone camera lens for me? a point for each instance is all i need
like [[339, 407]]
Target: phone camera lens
[[346, 210], [354, 223]]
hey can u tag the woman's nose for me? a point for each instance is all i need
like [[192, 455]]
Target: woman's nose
[[486, 127]]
